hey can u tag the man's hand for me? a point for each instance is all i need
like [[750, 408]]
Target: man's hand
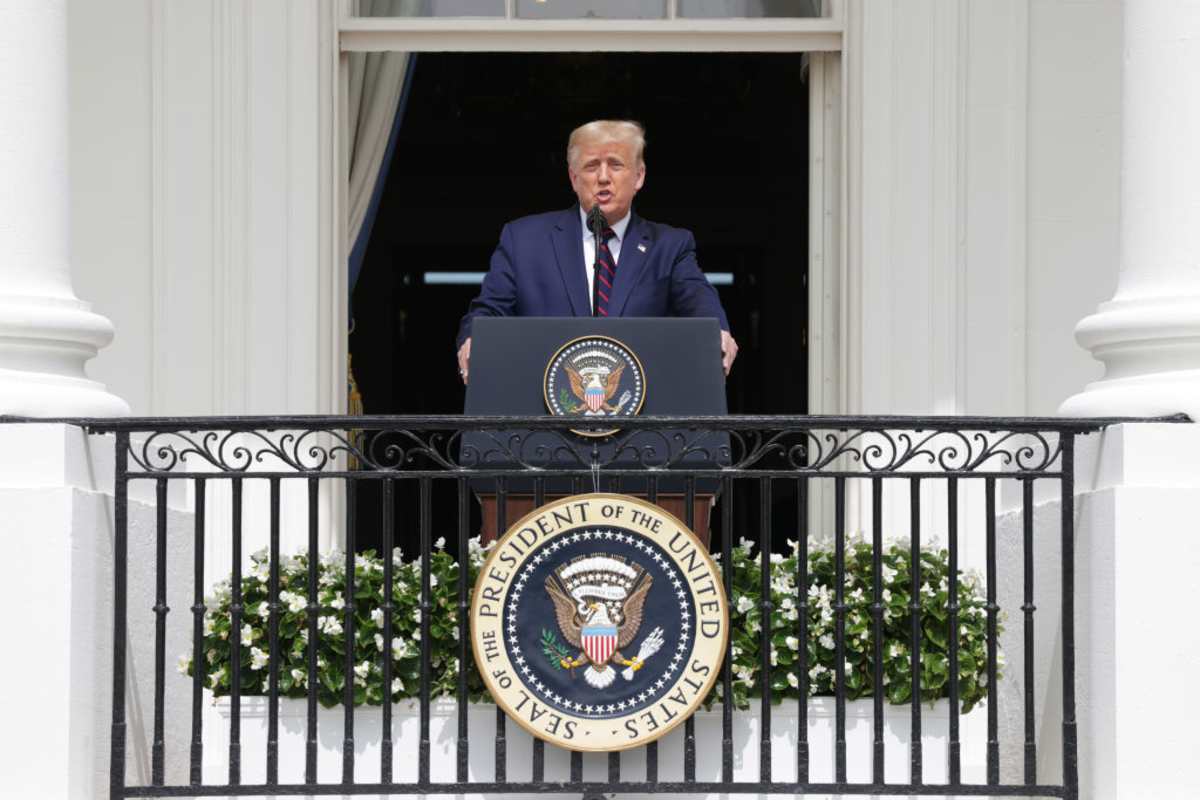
[[464, 359], [729, 351]]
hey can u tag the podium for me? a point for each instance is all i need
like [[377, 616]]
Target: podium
[[681, 364]]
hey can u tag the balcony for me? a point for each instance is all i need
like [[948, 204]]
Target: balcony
[[215, 519]]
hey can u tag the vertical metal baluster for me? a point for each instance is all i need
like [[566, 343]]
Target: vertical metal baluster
[[955, 749], [765, 644], [235, 643], [993, 723], [652, 748], [426, 615], [614, 758], [501, 718], [313, 610], [116, 772], [877, 753], [539, 747], [157, 769], [1027, 607], [198, 655], [348, 664], [802, 629], [727, 666], [916, 760], [839, 638], [274, 657], [388, 522], [1070, 733], [689, 725], [576, 757], [464, 631]]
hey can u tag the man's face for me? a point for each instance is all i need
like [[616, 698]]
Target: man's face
[[608, 174]]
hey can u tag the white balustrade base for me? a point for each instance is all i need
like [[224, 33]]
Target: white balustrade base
[[482, 732]]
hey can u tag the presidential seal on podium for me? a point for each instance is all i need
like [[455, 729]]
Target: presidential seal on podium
[[599, 622]]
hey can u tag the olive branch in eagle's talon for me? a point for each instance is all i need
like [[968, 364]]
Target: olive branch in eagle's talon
[[556, 652]]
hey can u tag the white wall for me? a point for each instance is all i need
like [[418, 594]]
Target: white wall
[[987, 184], [197, 140]]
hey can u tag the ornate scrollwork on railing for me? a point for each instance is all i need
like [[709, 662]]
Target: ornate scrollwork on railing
[[660, 447]]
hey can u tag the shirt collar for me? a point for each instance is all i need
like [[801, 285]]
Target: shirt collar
[[618, 228]]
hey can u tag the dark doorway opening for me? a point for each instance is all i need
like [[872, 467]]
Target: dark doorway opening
[[483, 141]]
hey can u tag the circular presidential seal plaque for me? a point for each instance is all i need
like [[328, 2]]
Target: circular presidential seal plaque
[[594, 376], [599, 622]]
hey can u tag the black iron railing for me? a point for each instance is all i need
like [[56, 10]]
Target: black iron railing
[[814, 463]]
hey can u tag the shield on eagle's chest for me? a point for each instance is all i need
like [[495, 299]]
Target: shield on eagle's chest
[[599, 642], [594, 397]]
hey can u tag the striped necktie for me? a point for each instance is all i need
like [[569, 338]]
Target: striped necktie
[[605, 274]]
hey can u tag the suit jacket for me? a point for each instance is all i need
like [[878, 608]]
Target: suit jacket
[[537, 270]]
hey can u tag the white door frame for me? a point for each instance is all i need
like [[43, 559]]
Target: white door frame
[[823, 39]]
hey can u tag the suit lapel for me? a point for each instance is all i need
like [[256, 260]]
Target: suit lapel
[[630, 264], [567, 238]]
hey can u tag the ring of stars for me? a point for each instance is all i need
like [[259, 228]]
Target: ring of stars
[[673, 663]]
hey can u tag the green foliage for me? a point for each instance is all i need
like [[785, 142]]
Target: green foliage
[[745, 627], [405, 648], [896, 619]]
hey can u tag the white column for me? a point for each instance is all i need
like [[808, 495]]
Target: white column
[[1148, 335], [46, 333]]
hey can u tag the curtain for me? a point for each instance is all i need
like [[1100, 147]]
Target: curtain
[[377, 88]]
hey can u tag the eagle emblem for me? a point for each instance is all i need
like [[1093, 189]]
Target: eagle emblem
[[594, 376], [598, 602], [596, 386]]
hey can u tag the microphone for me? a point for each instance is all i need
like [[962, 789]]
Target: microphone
[[596, 220]]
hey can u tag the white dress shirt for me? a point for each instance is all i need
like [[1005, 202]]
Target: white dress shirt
[[589, 251]]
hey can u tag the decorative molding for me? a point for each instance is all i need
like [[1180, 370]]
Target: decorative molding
[[407, 34], [158, 198]]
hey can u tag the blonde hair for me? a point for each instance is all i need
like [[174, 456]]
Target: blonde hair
[[607, 130]]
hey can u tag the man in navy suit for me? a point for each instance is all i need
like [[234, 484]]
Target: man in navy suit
[[543, 266]]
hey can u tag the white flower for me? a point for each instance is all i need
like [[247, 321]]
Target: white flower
[[208, 625], [792, 680], [440, 544], [361, 671], [792, 642], [744, 604], [247, 633], [377, 617], [397, 685], [786, 603], [888, 573], [774, 657], [338, 602], [399, 648], [299, 676], [329, 625], [295, 602], [185, 663], [264, 610], [827, 641], [379, 642], [216, 677], [258, 658], [776, 558], [433, 581]]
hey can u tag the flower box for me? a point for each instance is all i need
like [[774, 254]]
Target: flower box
[[482, 732]]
